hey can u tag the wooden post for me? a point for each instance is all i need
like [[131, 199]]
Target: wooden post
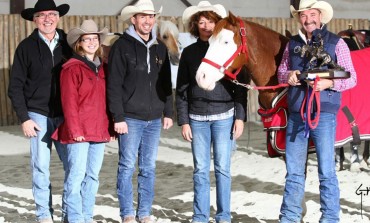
[[16, 6]]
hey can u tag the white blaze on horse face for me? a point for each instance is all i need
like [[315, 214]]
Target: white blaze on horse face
[[169, 34], [221, 48]]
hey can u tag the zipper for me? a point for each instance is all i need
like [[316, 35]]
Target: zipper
[[52, 110]]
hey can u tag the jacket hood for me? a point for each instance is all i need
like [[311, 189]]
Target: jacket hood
[[131, 31], [77, 59]]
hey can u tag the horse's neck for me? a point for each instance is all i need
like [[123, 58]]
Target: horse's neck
[[265, 48]]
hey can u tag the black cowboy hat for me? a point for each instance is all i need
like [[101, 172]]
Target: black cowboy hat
[[44, 5]]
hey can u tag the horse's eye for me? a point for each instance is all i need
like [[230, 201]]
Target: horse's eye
[[226, 42], [165, 36]]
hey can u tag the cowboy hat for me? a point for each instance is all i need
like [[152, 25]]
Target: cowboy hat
[[201, 7], [44, 5], [87, 27], [324, 7], [142, 6]]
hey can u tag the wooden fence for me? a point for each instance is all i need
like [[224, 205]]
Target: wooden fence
[[13, 29]]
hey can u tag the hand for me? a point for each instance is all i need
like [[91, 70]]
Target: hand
[[293, 79], [186, 132], [238, 128], [29, 128], [167, 123], [322, 84], [121, 127], [79, 139]]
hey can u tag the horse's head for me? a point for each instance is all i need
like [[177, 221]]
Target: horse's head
[[169, 34], [235, 43], [107, 44], [224, 54]]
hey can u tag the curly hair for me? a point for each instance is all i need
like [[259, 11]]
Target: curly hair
[[194, 19]]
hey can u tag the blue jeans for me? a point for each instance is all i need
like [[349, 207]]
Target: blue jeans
[[218, 134], [141, 142], [296, 156], [84, 163], [40, 162]]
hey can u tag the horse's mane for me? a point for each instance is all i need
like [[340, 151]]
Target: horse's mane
[[168, 26], [232, 23]]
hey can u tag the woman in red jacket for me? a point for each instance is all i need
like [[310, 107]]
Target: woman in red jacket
[[85, 127]]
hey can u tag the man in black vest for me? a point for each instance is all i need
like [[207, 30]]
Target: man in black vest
[[313, 16]]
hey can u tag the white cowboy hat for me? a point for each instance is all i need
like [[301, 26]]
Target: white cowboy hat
[[142, 6], [87, 27], [201, 7], [324, 7]]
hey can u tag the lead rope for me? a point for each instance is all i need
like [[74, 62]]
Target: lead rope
[[307, 112], [250, 87]]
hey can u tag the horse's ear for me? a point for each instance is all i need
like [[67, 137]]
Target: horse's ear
[[232, 18], [173, 19], [288, 34], [231, 15]]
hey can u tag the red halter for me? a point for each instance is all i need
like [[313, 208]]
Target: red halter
[[241, 49]]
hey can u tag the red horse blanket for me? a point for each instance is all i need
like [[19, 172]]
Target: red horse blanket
[[356, 99]]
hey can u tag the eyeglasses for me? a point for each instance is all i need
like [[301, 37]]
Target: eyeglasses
[[89, 40], [50, 15]]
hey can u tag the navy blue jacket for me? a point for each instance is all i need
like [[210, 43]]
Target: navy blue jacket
[[329, 99]]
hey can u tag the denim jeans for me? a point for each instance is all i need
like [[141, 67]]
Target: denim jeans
[[84, 163], [218, 134], [40, 161], [323, 137], [141, 142]]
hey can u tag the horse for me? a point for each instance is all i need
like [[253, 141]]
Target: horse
[[167, 32], [259, 49], [169, 35], [355, 40], [262, 46]]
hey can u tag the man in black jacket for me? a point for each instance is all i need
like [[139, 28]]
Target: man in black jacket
[[139, 93], [34, 92]]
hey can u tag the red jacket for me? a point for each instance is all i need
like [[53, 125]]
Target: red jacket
[[83, 93]]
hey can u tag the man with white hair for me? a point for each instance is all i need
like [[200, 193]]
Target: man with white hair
[[139, 94], [313, 16], [35, 95]]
